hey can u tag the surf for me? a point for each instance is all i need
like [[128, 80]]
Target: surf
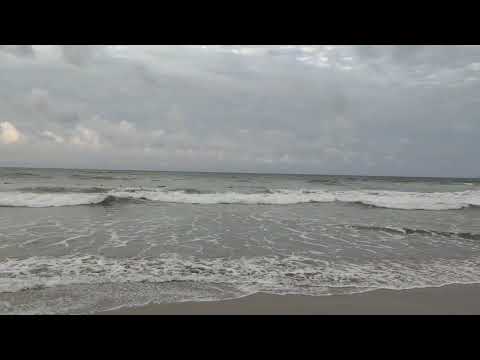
[[380, 199]]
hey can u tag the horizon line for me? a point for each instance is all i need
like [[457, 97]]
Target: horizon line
[[239, 172]]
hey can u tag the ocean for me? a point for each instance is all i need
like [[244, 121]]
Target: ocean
[[84, 241]]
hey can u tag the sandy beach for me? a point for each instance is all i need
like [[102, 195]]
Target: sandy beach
[[446, 300]]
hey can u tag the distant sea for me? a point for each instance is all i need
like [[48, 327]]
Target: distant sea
[[81, 241]]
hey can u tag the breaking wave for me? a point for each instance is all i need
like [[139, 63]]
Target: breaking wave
[[410, 231], [292, 274], [41, 200], [381, 199]]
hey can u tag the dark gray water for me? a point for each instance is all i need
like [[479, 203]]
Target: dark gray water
[[77, 241]]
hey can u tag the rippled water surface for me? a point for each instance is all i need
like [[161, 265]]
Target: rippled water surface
[[77, 241]]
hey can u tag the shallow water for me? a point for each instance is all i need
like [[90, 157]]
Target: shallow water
[[77, 241]]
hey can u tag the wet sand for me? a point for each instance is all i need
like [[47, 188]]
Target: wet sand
[[446, 300]]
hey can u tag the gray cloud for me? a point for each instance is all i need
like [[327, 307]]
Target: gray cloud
[[80, 55], [399, 110], [19, 50]]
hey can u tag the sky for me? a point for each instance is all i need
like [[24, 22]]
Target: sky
[[406, 110]]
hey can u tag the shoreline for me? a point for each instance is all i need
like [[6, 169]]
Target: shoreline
[[457, 299]]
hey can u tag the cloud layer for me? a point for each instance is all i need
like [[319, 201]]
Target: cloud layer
[[9, 133], [389, 110]]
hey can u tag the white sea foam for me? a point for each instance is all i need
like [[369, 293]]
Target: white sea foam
[[413, 200], [294, 274], [23, 199], [384, 199], [387, 199]]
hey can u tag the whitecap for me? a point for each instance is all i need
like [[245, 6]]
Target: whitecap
[[383, 199]]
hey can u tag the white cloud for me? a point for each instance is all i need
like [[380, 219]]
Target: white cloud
[[9, 133], [86, 137], [56, 138]]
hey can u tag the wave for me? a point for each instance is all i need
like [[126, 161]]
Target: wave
[[189, 191], [41, 200], [63, 189], [98, 177], [410, 231], [25, 175], [381, 199], [328, 181], [22, 174], [291, 274], [110, 200]]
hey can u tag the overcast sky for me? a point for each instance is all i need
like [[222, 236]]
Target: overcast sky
[[377, 110]]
